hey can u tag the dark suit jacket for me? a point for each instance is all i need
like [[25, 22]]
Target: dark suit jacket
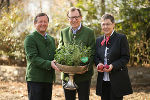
[[118, 56]]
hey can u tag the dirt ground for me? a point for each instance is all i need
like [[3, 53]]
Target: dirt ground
[[18, 91]]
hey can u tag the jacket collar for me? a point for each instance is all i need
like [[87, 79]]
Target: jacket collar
[[70, 30], [38, 35], [114, 33]]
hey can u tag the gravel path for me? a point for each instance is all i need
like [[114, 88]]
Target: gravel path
[[18, 91]]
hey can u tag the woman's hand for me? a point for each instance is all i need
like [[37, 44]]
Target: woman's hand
[[108, 69], [100, 67]]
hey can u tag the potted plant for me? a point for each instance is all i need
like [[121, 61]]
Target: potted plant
[[71, 58], [73, 54]]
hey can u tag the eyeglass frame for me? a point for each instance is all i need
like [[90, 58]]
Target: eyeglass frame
[[107, 24], [76, 17]]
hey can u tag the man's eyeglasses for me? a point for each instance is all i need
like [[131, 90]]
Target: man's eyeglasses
[[71, 18], [106, 24]]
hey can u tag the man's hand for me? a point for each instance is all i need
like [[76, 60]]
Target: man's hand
[[54, 66], [83, 67]]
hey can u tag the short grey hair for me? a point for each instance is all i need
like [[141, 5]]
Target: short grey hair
[[39, 15], [73, 9], [108, 16]]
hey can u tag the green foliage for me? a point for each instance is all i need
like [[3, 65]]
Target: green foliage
[[11, 44], [71, 54], [132, 18], [135, 15], [90, 13]]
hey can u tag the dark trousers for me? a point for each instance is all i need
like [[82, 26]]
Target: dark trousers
[[83, 91], [39, 90], [107, 93]]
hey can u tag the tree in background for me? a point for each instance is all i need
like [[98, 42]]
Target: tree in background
[[11, 45], [132, 19], [4, 4], [135, 24]]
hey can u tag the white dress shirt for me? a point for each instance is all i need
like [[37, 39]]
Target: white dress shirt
[[75, 31], [106, 74]]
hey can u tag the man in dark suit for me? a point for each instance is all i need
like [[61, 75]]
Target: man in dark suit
[[112, 55]]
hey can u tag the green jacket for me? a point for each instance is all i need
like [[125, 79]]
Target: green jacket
[[87, 37], [39, 54]]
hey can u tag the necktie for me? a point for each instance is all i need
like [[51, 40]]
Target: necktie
[[105, 40]]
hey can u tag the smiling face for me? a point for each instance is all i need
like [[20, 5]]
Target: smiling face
[[41, 24], [74, 19], [107, 27]]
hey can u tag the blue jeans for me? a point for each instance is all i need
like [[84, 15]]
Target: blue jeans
[[39, 90]]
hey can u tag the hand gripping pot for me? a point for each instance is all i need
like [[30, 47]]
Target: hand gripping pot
[[71, 70]]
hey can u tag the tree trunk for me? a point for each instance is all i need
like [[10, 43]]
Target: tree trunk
[[148, 32], [8, 4], [102, 7], [3, 4]]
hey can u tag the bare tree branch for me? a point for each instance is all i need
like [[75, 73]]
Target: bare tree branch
[[1, 4], [8, 4]]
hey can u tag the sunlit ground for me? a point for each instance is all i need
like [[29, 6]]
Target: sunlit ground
[[18, 91]]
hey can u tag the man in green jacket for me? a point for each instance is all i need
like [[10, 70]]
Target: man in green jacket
[[81, 33], [40, 50]]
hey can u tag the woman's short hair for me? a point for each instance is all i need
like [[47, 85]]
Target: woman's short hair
[[108, 16]]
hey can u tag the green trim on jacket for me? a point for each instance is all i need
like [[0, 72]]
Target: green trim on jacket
[[39, 54], [87, 37]]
